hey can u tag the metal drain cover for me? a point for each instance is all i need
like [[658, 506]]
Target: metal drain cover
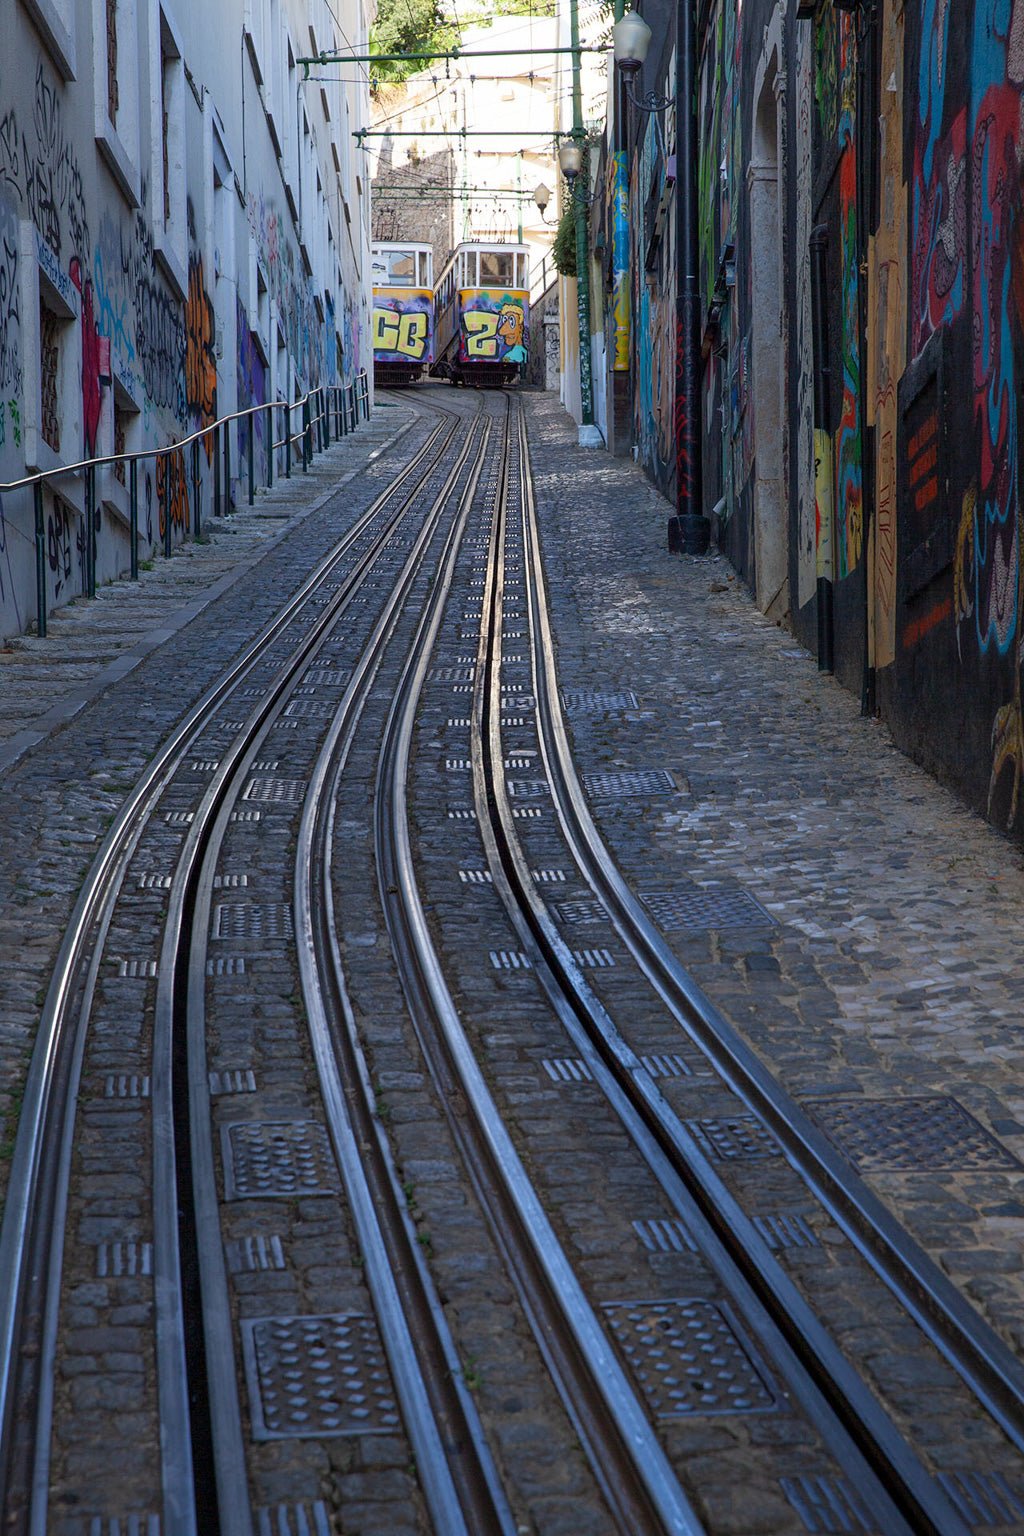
[[277, 1160], [524, 789], [914, 1135], [727, 1138], [252, 920], [316, 1376], [310, 709], [582, 911], [643, 781], [827, 1504], [689, 1358], [587, 701], [275, 791], [697, 908]]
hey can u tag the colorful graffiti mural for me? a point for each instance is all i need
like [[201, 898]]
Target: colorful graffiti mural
[[403, 326], [618, 202], [493, 326]]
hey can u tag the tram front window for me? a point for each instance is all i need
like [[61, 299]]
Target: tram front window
[[401, 269], [495, 269]]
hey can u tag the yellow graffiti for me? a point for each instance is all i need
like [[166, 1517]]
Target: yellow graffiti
[[481, 332], [824, 508], [404, 333]]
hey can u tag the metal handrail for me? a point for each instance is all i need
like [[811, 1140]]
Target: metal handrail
[[349, 400]]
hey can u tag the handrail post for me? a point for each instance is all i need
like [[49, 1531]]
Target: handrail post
[[252, 462], [217, 508], [268, 432], [227, 467], [90, 534], [287, 440], [133, 516], [307, 440], [198, 522], [325, 417], [165, 512], [37, 496]]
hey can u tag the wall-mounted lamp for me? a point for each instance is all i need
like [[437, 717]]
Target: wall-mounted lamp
[[631, 38], [542, 196]]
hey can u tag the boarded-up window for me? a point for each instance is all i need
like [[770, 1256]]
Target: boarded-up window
[[49, 363]]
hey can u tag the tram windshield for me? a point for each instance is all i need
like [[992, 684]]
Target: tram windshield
[[496, 269], [395, 269]]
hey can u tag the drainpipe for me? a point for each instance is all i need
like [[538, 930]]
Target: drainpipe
[[693, 527], [824, 493]]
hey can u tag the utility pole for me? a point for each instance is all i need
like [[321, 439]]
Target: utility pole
[[589, 434], [694, 528]]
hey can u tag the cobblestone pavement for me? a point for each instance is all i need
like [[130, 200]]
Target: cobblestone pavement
[[879, 981]]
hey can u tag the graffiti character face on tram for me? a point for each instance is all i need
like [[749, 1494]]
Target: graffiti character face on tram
[[512, 330]]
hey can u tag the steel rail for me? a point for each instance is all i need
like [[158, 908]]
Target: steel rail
[[989, 1368], [31, 1233], [629, 1463], [182, 1137], [453, 1459], [833, 1396]]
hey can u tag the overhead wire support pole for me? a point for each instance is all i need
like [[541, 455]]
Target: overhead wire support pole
[[589, 434]]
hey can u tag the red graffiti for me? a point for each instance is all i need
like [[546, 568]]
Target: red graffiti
[[92, 401]]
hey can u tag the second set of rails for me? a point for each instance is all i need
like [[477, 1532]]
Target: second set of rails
[[214, 1167]]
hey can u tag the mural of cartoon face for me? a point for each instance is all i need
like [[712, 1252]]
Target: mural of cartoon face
[[510, 328]]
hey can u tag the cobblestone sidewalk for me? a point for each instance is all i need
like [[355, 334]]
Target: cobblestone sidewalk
[[860, 925]]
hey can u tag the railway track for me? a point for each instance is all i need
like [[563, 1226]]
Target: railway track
[[326, 974]]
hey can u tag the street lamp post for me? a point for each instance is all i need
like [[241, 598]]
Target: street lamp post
[[570, 158]]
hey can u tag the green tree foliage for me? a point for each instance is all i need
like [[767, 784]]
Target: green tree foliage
[[409, 26], [563, 248]]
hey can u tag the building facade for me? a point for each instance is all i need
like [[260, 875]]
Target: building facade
[[862, 326], [184, 232]]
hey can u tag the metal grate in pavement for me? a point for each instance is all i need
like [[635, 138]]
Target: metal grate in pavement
[[137, 969], [828, 1505], [527, 813], [312, 1377], [124, 1525], [246, 816], [594, 959], [984, 1498], [782, 1232], [912, 1135], [567, 1069], [310, 709], [252, 920], [277, 1160], [528, 789], [149, 882], [113, 1260], [667, 1064], [250, 1254], [589, 701], [226, 965], [476, 877], [451, 674], [125, 1085], [689, 1358], [510, 960], [180, 818], [293, 1520], [659, 1235], [229, 882], [275, 791], [698, 908], [236, 1080], [642, 781], [582, 911], [729, 1138]]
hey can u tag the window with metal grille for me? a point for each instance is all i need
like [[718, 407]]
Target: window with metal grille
[[49, 363], [112, 94]]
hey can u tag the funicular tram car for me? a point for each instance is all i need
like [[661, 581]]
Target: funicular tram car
[[403, 311], [481, 314]]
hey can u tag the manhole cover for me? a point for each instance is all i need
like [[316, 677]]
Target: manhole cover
[[316, 1376], [279, 1159], [914, 1135], [689, 1358], [699, 908], [642, 781]]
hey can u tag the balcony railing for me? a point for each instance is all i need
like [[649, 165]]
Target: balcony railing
[[331, 410]]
